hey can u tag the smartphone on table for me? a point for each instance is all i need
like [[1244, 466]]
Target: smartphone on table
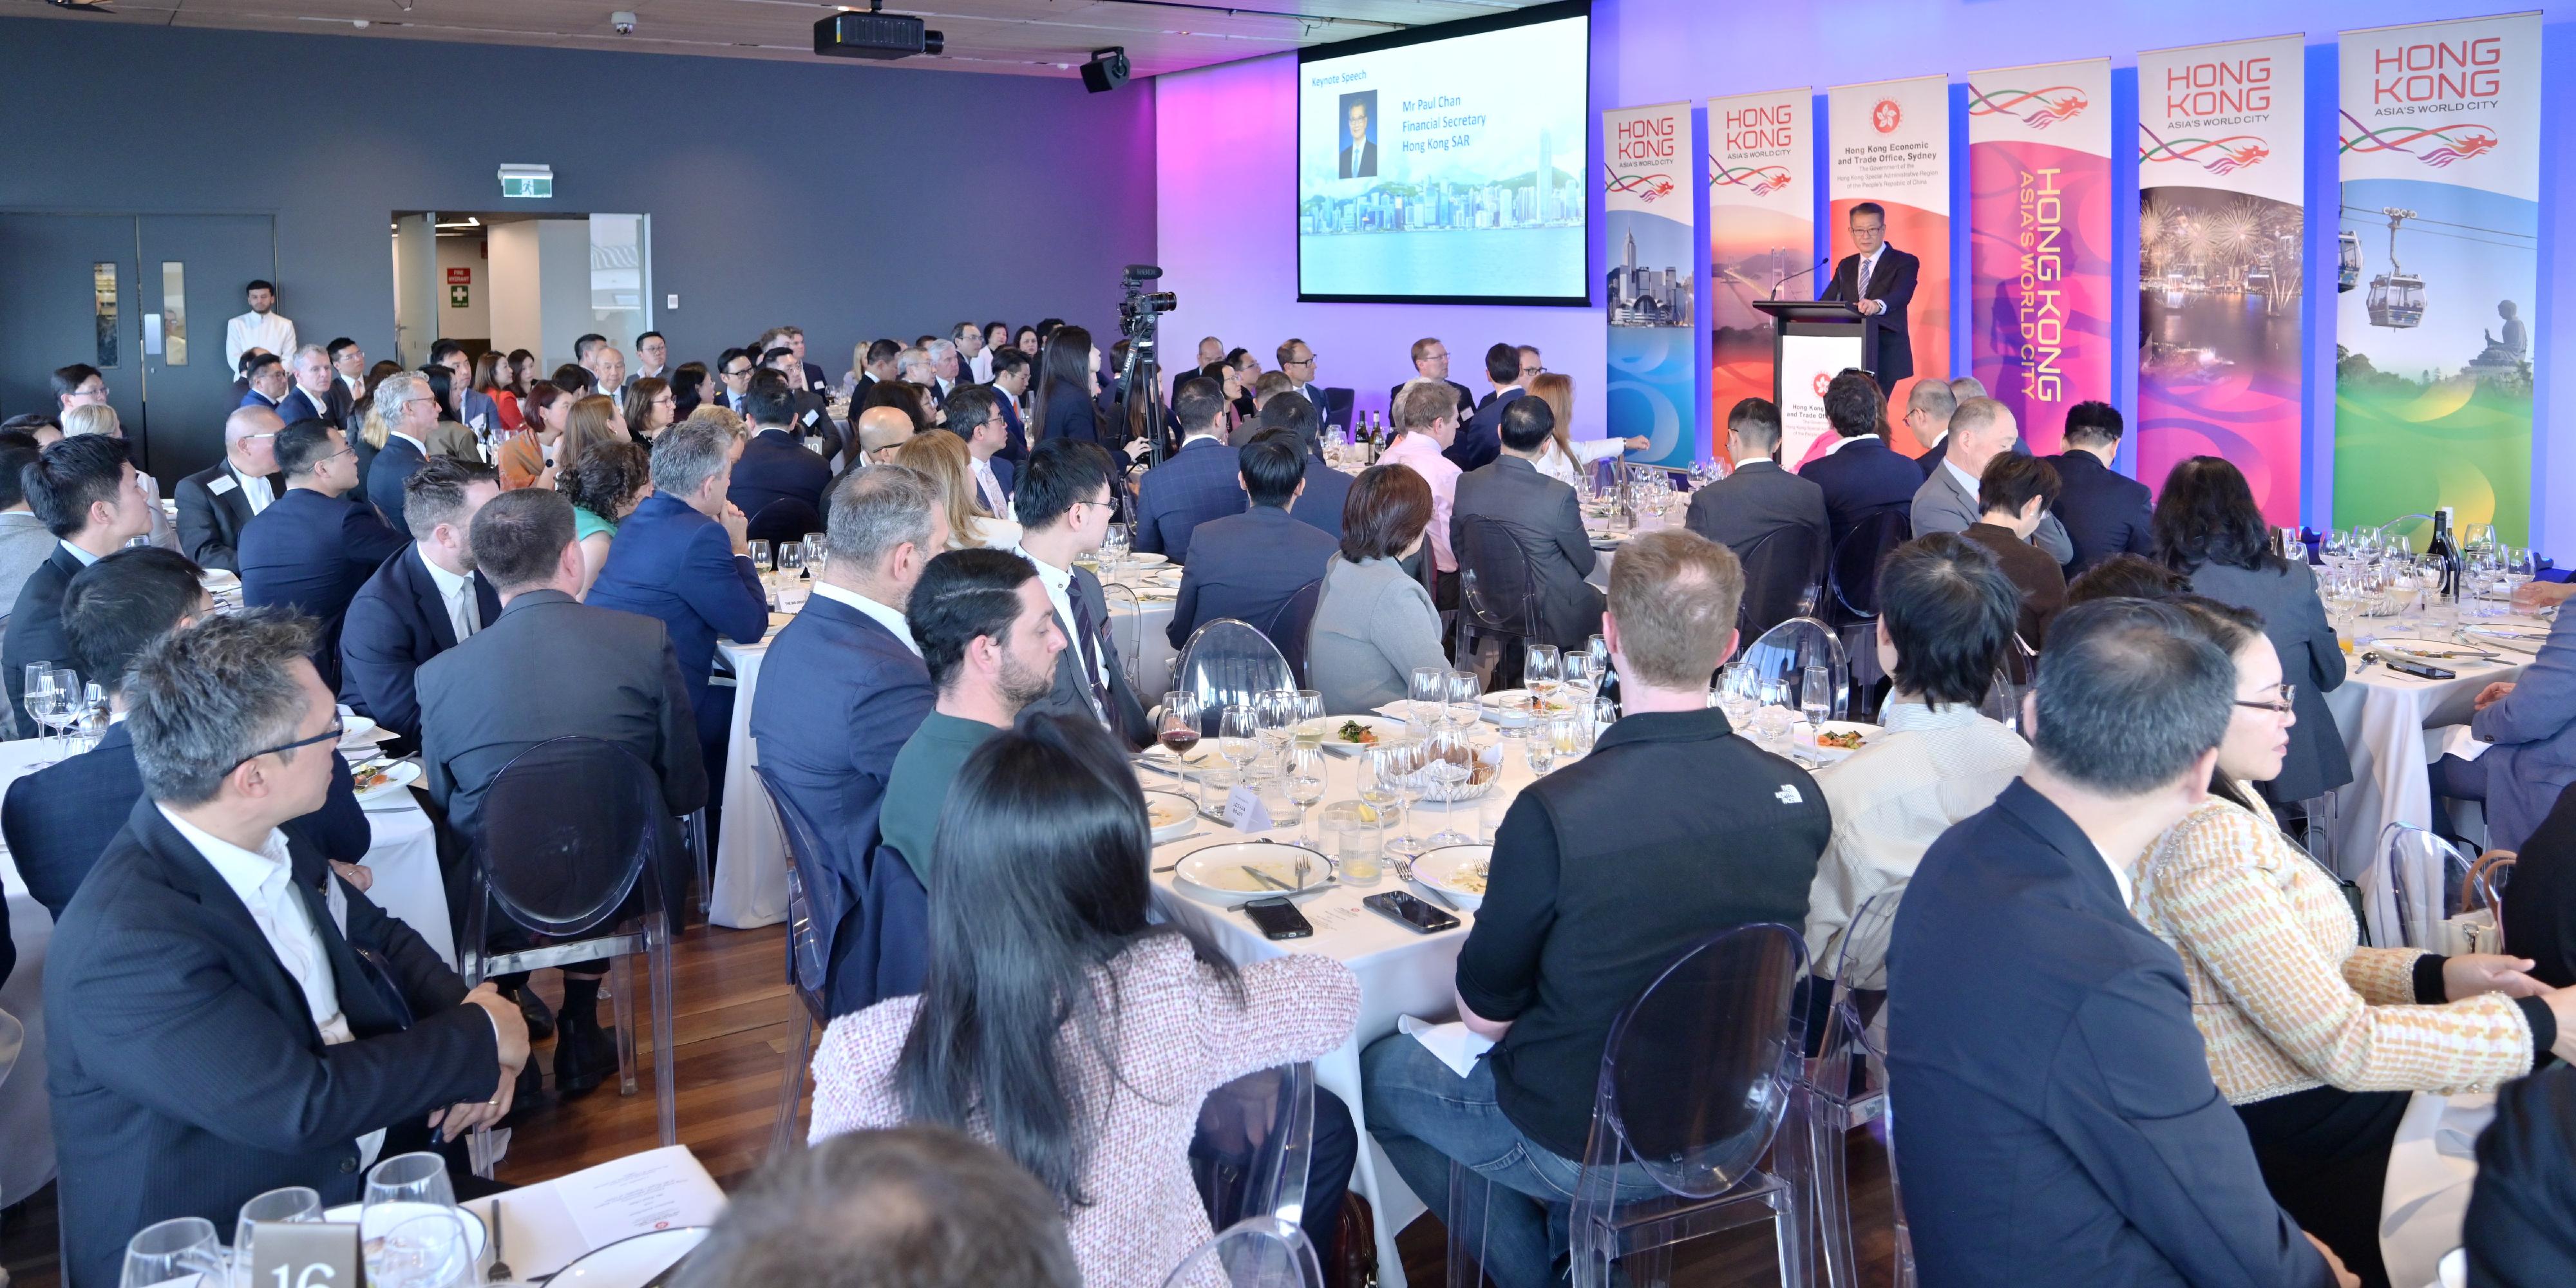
[[1401, 906], [1277, 918]]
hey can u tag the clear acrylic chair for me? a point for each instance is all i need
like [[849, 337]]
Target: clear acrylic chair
[[1702, 1075], [1783, 571], [573, 839], [1784, 652], [1848, 1088], [1126, 629], [693, 833], [2418, 873], [1287, 628], [1256, 1252], [2487, 881], [1228, 663], [1498, 615], [1255, 1136], [808, 958]]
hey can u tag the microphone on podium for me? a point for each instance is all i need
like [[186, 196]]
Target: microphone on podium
[[1775, 286]]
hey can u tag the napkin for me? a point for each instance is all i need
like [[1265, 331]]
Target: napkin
[[1456, 1047]]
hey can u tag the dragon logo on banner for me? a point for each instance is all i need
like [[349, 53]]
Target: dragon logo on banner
[[2439, 147], [1643, 187], [2046, 107], [2217, 156], [1762, 179]]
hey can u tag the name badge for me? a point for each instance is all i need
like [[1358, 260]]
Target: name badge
[[810, 416], [223, 483]]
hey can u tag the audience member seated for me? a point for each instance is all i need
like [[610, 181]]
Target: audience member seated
[[2060, 1122], [217, 502], [318, 393], [84, 491], [1011, 375], [2105, 512], [591, 422], [2530, 723], [1045, 832], [527, 458], [313, 547], [2209, 530], [1480, 440], [466, 406], [1861, 475], [1327, 489], [1425, 425], [2517, 1230], [776, 466], [949, 464], [1945, 625], [1068, 378], [2539, 921], [610, 482], [2318, 1043], [421, 602], [1565, 459], [1981, 430], [976, 415], [24, 543], [1066, 502], [1430, 358], [883, 429], [200, 1057], [809, 417], [101, 419], [2012, 498], [1374, 624], [1928, 407], [650, 408], [1602, 875], [908, 1207], [1758, 497], [265, 375], [1200, 482], [411, 415], [2126, 577], [482, 703], [1250, 565], [990, 640], [59, 819], [1512, 491]]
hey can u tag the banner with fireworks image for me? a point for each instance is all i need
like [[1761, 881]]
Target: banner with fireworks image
[[1890, 143], [1651, 233], [1761, 232], [2221, 186], [2039, 239], [2438, 259]]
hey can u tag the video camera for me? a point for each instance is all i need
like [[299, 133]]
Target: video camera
[[1136, 313]]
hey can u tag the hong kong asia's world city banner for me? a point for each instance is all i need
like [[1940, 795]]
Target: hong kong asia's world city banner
[[2039, 238], [2439, 139], [1650, 238], [2221, 166], [1761, 234], [1889, 143]]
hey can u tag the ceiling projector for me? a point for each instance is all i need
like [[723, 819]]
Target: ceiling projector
[[874, 35]]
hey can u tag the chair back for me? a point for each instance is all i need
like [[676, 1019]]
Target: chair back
[[1783, 654], [1288, 626], [1781, 572], [1851, 573], [1257, 1252], [1859, 995], [1498, 578], [570, 828], [785, 519], [2487, 881], [13, 1039], [1700, 1069], [813, 898], [1255, 1133], [2418, 874], [1228, 663]]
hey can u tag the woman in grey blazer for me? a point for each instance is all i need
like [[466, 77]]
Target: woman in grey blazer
[[1373, 623], [2208, 528]]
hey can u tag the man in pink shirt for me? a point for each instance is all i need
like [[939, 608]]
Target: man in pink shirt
[[1426, 418]]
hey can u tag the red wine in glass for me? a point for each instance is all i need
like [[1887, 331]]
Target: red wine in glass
[[1179, 741]]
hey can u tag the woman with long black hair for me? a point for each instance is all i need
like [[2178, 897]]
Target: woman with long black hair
[[1068, 380]]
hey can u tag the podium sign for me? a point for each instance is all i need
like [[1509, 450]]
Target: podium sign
[[1813, 340]]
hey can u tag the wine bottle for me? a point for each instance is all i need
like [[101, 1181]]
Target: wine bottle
[[2447, 551]]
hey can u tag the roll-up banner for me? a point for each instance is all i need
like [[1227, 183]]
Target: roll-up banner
[[1651, 242], [1761, 232], [2438, 237], [2222, 163], [1889, 143], [2039, 240]]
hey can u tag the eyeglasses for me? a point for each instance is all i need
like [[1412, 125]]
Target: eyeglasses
[[331, 734], [736, 373], [2278, 708]]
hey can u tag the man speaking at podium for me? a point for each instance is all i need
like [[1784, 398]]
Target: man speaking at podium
[[1885, 278]]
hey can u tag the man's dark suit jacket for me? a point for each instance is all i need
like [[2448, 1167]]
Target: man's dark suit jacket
[[36, 628], [1480, 437], [814, 417], [212, 513], [1931, 460], [1072, 694], [59, 819], [1196, 484], [830, 740], [1860, 479], [1758, 499], [1893, 282], [397, 623], [2540, 918], [2104, 511], [776, 467], [672, 563], [1551, 532], [1466, 401], [395, 464], [481, 704], [1249, 565], [1327, 495], [187, 1075], [334, 406], [1016, 449], [312, 552], [2517, 1231], [2061, 1126]]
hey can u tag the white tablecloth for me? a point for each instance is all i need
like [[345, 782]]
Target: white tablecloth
[[1142, 630], [2382, 715]]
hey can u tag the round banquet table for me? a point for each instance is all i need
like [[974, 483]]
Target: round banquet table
[[2385, 717]]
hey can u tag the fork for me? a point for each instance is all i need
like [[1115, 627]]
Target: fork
[[500, 1271]]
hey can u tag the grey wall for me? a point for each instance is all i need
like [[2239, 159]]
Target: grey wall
[[852, 200]]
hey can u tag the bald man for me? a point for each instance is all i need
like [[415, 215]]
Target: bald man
[[881, 430], [215, 502]]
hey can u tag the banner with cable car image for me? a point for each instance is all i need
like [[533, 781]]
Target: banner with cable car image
[[2437, 265]]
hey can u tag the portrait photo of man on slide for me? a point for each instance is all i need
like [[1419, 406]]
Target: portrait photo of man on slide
[[1359, 146]]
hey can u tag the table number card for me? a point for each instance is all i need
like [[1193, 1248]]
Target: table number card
[[304, 1254], [1244, 811]]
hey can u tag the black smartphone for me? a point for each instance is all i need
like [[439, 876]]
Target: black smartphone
[[1402, 906], [1278, 919]]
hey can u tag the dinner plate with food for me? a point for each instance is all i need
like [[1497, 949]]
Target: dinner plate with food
[[380, 778], [1518, 708], [2437, 652], [1456, 871], [1837, 739], [1171, 814], [1236, 872], [1349, 735]]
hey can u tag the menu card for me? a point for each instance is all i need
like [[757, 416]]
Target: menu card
[[553, 1224]]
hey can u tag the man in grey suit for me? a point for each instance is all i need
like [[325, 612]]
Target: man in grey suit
[[1065, 504], [1759, 498], [1980, 430], [1542, 515]]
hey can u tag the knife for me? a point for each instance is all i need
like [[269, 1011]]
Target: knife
[[1265, 878]]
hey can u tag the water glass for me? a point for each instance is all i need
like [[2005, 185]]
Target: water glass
[[1238, 736], [1355, 838], [1541, 745], [1489, 816], [1426, 692], [1460, 694], [294, 1203], [1305, 778], [427, 1250], [1542, 669]]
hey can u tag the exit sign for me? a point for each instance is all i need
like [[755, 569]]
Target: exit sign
[[527, 181]]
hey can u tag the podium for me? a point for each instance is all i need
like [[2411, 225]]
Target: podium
[[1812, 340]]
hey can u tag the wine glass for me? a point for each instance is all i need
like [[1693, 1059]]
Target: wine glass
[[1238, 736], [1816, 696], [53, 701], [791, 558], [1177, 728], [37, 680], [1460, 693], [1448, 760], [1275, 714], [1391, 775], [403, 1187], [1580, 677], [178, 1248], [293, 1203], [758, 549], [1310, 717], [425, 1250], [1599, 649], [1113, 549], [1305, 771], [94, 716], [1542, 669], [1425, 693]]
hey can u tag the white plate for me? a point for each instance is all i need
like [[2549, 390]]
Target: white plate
[[1215, 874], [348, 1213], [1439, 868], [219, 580], [1868, 734], [1144, 559], [1329, 727], [2436, 652], [631, 1263], [1182, 812], [1495, 707], [357, 730], [399, 775]]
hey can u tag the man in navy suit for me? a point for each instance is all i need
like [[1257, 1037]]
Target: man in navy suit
[[314, 547], [84, 490], [2061, 1125], [1862, 475], [215, 503], [1065, 501], [318, 393], [2105, 512], [848, 688], [776, 466], [422, 602], [1250, 564], [474, 408], [1011, 381], [265, 380], [1199, 483], [976, 413], [1480, 437], [1431, 362], [411, 414], [1879, 280], [60, 818], [1327, 489]]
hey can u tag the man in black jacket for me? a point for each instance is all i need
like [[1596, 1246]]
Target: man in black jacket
[[1758, 498], [1862, 475], [422, 602], [2105, 512], [1879, 280], [217, 502], [84, 490], [1431, 362], [1480, 437]]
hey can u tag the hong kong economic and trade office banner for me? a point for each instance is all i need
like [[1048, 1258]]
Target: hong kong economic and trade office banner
[[1651, 237], [2438, 236], [1761, 236], [1889, 143], [2039, 240]]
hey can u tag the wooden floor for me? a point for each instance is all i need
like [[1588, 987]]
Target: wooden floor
[[733, 1025]]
